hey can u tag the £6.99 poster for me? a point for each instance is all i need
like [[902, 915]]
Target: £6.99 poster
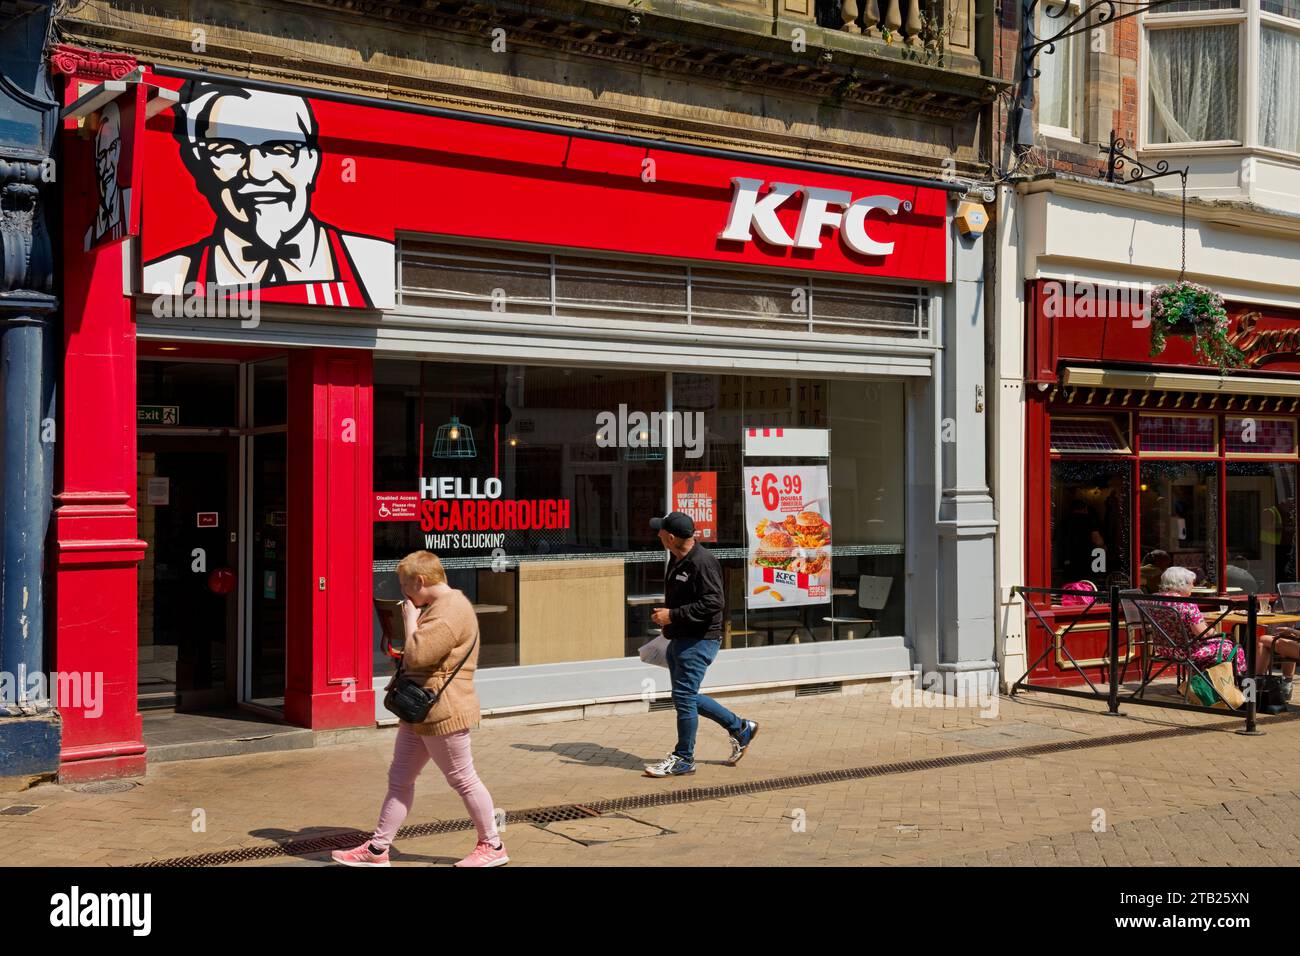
[[788, 527]]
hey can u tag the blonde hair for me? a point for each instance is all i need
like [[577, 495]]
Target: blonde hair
[[424, 564]]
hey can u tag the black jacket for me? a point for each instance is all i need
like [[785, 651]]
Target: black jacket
[[693, 593]]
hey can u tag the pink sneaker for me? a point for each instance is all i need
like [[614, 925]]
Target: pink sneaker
[[361, 856], [485, 854]]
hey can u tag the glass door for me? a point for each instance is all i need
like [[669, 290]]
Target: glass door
[[266, 534]]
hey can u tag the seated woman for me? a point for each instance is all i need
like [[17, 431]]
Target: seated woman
[[1284, 644], [1210, 646]]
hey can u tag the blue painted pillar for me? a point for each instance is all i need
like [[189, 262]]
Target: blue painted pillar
[[29, 725]]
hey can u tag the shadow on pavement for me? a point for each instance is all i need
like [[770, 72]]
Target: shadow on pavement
[[590, 753]]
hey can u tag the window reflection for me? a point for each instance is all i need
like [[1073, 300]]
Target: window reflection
[[1261, 525], [1179, 514], [1091, 522]]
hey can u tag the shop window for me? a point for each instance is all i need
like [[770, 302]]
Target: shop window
[[1178, 435], [1261, 525], [552, 569], [1274, 437], [1090, 434], [1179, 518], [867, 506], [1091, 522]]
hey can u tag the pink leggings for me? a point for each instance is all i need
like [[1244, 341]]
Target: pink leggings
[[451, 753]]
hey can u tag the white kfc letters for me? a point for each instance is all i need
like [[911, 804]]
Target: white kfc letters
[[749, 212]]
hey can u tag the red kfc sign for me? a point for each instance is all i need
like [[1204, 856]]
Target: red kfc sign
[[286, 198]]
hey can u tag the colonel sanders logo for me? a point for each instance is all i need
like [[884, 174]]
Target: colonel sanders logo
[[114, 201], [255, 157]]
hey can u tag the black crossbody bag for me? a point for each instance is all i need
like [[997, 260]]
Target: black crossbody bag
[[412, 702]]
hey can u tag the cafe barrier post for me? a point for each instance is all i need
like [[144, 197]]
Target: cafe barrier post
[[1112, 702]]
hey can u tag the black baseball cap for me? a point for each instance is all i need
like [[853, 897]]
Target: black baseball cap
[[675, 523]]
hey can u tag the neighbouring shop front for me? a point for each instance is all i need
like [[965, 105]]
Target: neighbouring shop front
[[352, 330], [1135, 464]]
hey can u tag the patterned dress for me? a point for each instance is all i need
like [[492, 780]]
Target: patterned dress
[[1188, 618]]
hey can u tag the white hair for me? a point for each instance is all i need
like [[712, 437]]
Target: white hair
[[197, 97], [1177, 579]]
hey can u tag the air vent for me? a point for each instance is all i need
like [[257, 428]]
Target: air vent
[[666, 704], [813, 690]]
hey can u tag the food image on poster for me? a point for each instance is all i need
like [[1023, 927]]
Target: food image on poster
[[787, 523]]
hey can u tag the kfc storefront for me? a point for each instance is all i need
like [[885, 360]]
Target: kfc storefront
[[321, 332]]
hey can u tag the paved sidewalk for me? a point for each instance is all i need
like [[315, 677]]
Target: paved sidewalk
[[1173, 797]]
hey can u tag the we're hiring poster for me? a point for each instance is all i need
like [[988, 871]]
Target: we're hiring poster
[[695, 493], [788, 527]]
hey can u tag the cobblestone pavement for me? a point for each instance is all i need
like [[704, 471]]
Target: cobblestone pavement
[[1150, 787]]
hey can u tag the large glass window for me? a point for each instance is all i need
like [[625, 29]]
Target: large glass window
[[585, 447], [528, 500], [1180, 516], [1261, 525], [1091, 522]]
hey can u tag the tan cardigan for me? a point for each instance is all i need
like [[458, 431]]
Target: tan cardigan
[[443, 634]]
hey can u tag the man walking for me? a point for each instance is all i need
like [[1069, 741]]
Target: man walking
[[692, 622]]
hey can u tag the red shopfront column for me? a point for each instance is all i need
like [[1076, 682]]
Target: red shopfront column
[[330, 616], [95, 550]]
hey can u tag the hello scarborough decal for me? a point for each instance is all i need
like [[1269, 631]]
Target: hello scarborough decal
[[280, 197], [461, 513]]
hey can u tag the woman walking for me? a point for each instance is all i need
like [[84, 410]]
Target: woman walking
[[442, 632]]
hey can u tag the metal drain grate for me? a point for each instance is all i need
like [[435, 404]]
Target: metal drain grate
[[18, 810], [542, 815], [813, 690], [107, 786]]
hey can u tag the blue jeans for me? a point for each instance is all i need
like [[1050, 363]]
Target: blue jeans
[[687, 662]]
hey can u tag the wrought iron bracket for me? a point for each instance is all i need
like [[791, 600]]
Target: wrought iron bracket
[[1117, 160], [1107, 11]]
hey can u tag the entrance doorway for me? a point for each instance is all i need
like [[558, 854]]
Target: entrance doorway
[[211, 501]]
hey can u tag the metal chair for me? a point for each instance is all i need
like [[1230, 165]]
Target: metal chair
[[873, 595]]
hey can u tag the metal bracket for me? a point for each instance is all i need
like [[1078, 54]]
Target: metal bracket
[[1117, 159]]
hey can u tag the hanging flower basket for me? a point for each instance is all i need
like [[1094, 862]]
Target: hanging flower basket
[[1194, 312]]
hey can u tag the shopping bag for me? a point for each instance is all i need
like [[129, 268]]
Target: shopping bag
[[655, 651], [1224, 682]]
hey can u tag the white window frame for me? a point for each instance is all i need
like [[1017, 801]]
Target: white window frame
[[1077, 79], [1184, 20], [1250, 20]]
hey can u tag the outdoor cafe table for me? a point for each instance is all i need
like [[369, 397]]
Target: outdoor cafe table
[[1239, 619]]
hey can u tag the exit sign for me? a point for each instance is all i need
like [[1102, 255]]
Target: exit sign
[[157, 414]]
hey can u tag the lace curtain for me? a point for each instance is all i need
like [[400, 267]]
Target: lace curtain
[[1193, 84], [1056, 85], [1279, 80]]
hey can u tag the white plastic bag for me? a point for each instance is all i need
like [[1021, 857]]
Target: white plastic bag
[[655, 651]]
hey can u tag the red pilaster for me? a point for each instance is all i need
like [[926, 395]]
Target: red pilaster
[[329, 659], [95, 549]]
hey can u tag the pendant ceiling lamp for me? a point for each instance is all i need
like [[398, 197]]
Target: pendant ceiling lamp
[[454, 440]]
